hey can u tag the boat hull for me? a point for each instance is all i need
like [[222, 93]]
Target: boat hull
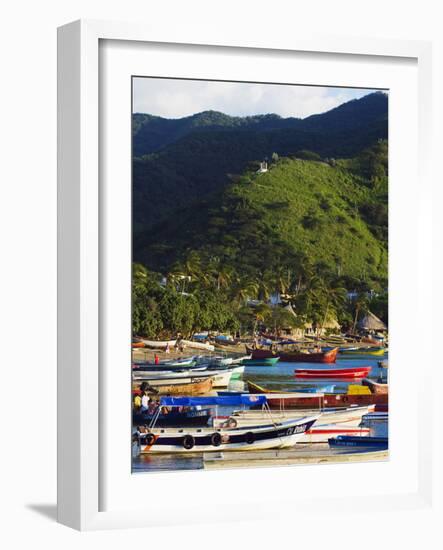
[[350, 417], [265, 362], [375, 387], [220, 440], [195, 387], [260, 353], [320, 357], [321, 434], [326, 401], [370, 443], [346, 373], [373, 353]]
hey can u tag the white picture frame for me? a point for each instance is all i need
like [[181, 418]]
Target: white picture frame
[[81, 211]]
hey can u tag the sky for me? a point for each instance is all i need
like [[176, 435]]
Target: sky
[[171, 98]]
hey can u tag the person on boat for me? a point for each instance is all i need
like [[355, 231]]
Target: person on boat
[[145, 401], [152, 407], [137, 402], [156, 359]]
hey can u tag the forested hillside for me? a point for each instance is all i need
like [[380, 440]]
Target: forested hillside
[[179, 161]]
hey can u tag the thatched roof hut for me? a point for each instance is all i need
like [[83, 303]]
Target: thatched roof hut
[[372, 322]]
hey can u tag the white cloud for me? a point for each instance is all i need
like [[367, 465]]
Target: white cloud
[[177, 98]]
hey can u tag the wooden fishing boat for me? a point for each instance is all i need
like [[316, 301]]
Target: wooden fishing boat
[[196, 386], [294, 400], [336, 373], [158, 344], [264, 436], [265, 362], [376, 387], [137, 344], [376, 352], [179, 364], [367, 443], [316, 357], [220, 376], [174, 418], [198, 345], [171, 343], [260, 353]]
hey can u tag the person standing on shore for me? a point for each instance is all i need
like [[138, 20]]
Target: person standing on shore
[[167, 350]]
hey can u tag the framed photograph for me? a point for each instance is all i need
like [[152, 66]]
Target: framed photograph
[[233, 276]]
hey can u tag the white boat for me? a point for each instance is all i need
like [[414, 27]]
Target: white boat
[[162, 344], [198, 345], [171, 378], [351, 416], [222, 361], [158, 344], [322, 432], [220, 378], [270, 435]]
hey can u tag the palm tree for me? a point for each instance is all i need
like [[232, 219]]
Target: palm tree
[[261, 312], [139, 276], [244, 289], [335, 296]]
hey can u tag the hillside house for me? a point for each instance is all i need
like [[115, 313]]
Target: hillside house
[[263, 167]]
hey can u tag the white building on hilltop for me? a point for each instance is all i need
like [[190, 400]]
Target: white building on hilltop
[[263, 167]]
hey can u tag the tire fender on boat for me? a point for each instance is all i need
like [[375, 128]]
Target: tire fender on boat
[[216, 439], [188, 442], [249, 438], [149, 439]]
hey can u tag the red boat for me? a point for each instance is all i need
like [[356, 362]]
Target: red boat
[[260, 353], [317, 357], [349, 372], [326, 400], [295, 356]]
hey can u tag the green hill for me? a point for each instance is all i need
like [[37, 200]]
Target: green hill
[[179, 161], [301, 211]]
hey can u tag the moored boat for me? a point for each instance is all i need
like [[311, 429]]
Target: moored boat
[[174, 418], [376, 387], [264, 436], [220, 376], [165, 365], [294, 400], [137, 343], [322, 433], [350, 417], [191, 386], [377, 352], [369, 443], [265, 362], [163, 344], [260, 353], [314, 357], [336, 373]]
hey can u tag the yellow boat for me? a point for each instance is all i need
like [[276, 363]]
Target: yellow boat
[[378, 352]]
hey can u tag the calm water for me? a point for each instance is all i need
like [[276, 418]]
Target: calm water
[[278, 377]]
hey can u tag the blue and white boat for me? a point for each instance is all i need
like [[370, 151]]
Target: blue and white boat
[[268, 435], [359, 443]]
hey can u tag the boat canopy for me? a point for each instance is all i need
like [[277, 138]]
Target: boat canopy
[[225, 400]]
